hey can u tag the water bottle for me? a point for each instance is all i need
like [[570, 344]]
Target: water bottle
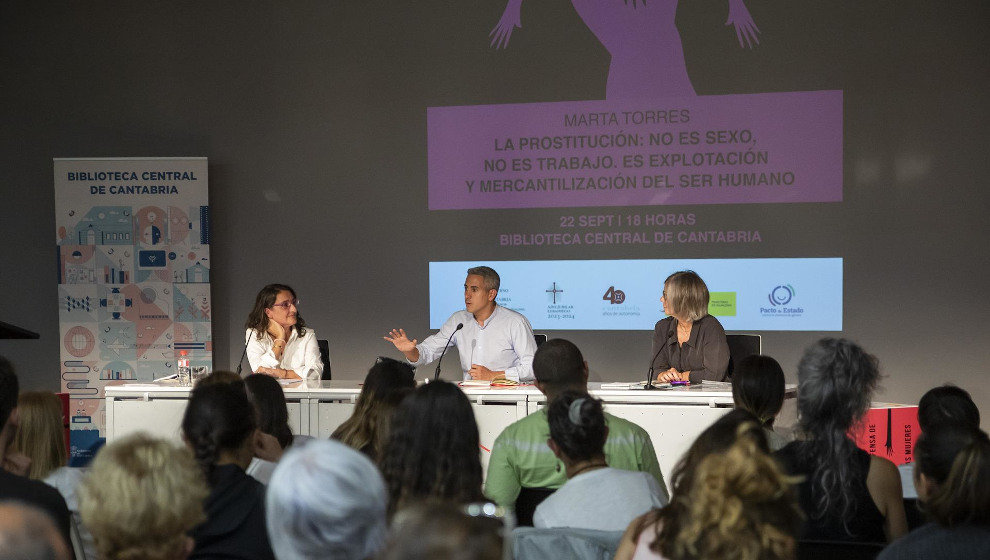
[[185, 374]]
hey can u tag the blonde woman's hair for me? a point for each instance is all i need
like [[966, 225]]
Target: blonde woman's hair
[[686, 294], [40, 433], [140, 498], [741, 506]]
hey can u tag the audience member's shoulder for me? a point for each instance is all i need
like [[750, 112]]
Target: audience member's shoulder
[[933, 541]]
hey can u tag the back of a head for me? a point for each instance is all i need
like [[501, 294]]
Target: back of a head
[[218, 418], [40, 432], [220, 377], [8, 390], [558, 365], [758, 386], [385, 376], [140, 498], [577, 425], [433, 447], [836, 381], [956, 459], [443, 531], [325, 500], [741, 505], [947, 405], [27, 533], [268, 399], [387, 383], [717, 438]]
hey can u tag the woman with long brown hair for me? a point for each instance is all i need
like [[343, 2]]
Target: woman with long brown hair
[[277, 341]]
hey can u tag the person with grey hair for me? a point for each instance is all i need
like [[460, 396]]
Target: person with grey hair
[[493, 341], [688, 344], [847, 494], [326, 500]]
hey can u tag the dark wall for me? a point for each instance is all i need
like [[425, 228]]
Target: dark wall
[[312, 115]]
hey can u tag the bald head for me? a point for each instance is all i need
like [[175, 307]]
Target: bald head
[[27, 533]]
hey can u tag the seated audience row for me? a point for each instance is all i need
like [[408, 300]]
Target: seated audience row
[[732, 496]]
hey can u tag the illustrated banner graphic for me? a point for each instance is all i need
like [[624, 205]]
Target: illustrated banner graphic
[[746, 294], [720, 149], [133, 249]]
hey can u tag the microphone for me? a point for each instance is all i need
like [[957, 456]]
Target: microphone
[[649, 375], [244, 353], [436, 376]]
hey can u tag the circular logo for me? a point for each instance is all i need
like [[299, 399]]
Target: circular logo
[[79, 341], [781, 295]]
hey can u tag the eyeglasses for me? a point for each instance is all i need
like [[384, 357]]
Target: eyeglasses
[[286, 304]]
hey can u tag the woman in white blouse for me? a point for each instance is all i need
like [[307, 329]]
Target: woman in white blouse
[[278, 342]]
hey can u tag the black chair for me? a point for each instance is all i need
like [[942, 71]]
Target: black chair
[[540, 339], [740, 346], [838, 550], [526, 504], [324, 345]]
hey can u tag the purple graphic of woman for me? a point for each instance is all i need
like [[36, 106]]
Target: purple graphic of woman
[[647, 56]]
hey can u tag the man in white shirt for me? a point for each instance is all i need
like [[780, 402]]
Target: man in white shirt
[[494, 341]]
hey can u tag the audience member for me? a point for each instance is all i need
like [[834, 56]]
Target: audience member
[[326, 500], [41, 437], [219, 426], [952, 475], [595, 496], [387, 382], [219, 377], [445, 531], [758, 386], [14, 467], [520, 457], [943, 406], [433, 450], [140, 499], [730, 499], [266, 396], [847, 494], [27, 533]]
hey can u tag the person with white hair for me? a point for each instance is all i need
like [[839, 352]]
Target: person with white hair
[[326, 500]]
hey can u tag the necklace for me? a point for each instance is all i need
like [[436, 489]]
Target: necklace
[[588, 467]]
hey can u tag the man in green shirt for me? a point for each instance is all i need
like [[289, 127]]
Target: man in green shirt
[[521, 458]]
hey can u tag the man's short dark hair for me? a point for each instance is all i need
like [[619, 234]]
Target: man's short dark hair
[[8, 390], [559, 364]]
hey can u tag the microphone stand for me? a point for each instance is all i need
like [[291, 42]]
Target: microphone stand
[[436, 376], [649, 375], [244, 353]]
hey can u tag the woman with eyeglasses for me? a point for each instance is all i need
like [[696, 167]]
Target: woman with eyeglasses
[[278, 343]]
